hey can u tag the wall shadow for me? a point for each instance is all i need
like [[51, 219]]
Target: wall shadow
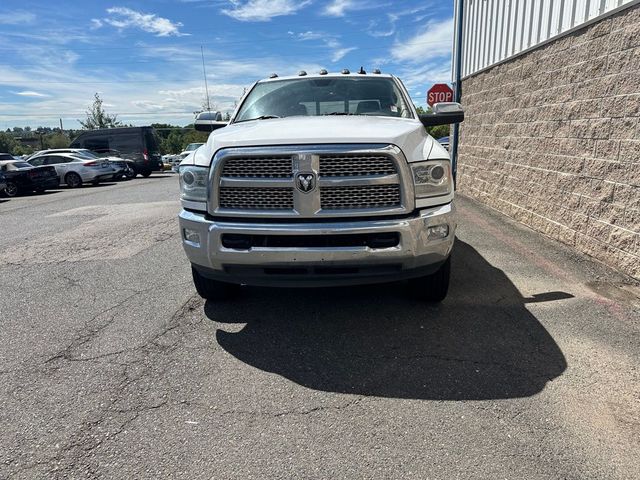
[[481, 343]]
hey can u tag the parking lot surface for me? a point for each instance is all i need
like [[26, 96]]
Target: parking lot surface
[[112, 367]]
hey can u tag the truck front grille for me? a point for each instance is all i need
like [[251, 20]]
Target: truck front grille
[[256, 198], [360, 197], [310, 181], [355, 165], [259, 167]]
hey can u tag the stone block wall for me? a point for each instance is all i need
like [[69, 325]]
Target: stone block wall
[[552, 139]]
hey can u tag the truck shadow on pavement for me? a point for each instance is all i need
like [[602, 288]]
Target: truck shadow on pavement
[[480, 343]]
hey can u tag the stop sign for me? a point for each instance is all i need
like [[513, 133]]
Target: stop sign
[[440, 92]]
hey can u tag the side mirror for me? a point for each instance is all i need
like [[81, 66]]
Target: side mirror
[[443, 114], [209, 121]]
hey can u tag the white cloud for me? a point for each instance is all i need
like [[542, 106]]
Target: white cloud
[[96, 23], [435, 41], [17, 17], [30, 93], [426, 74], [338, 8], [340, 53], [122, 17], [337, 50], [263, 10], [310, 35], [166, 96]]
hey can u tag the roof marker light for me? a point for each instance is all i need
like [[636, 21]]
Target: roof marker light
[[323, 72], [377, 71], [302, 73], [273, 75], [345, 71], [362, 72]]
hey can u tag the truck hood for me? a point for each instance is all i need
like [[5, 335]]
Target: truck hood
[[408, 134]]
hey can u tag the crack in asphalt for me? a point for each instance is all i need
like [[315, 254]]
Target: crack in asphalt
[[285, 413], [87, 337], [94, 331], [85, 442]]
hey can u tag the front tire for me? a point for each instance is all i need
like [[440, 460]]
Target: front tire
[[73, 180], [432, 288], [11, 190], [212, 289], [145, 173]]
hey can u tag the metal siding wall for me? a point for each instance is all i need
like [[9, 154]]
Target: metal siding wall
[[494, 30]]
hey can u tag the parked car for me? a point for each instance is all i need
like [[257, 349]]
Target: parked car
[[124, 168], [192, 146], [21, 177], [444, 141], [73, 171], [179, 158], [6, 156], [139, 144]]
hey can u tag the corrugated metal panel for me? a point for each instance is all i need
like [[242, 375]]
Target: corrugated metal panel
[[494, 30]]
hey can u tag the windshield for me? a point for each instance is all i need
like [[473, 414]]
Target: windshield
[[325, 96], [193, 146]]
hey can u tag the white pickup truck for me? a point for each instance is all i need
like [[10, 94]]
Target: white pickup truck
[[321, 180]]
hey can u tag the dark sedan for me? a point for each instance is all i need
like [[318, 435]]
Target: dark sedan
[[20, 177]]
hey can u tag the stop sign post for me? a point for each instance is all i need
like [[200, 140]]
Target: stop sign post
[[440, 92]]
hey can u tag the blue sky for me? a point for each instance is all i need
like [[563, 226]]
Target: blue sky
[[143, 57]]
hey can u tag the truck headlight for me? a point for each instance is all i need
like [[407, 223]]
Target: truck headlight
[[432, 179], [193, 183]]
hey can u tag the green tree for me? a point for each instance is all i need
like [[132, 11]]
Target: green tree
[[163, 129], [98, 118], [8, 144], [173, 142], [57, 140], [439, 130], [23, 150], [194, 136]]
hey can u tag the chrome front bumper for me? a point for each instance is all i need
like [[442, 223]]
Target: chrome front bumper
[[414, 256]]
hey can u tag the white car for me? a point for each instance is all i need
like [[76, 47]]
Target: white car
[[73, 171], [124, 168], [192, 146], [179, 158]]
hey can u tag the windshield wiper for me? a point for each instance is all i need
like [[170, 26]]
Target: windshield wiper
[[261, 117], [341, 113]]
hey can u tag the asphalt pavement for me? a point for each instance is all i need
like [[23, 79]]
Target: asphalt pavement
[[112, 367]]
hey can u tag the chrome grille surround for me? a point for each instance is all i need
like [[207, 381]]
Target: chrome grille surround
[[383, 188]]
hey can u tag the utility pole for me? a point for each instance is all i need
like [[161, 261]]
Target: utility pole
[[61, 129], [204, 72]]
